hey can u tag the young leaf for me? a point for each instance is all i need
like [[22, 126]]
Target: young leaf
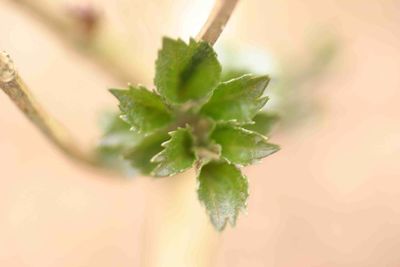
[[177, 156], [224, 191], [141, 154], [240, 146], [142, 109], [116, 139], [186, 71], [238, 99], [116, 132], [263, 123], [232, 73]]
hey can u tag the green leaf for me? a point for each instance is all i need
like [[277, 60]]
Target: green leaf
[[116, 139], [232, 73], [240, 146], [116, 132], [263, 123], [238, 99], [186, 71], [177, 156], [224, 191], [142, 109], [141, 154]]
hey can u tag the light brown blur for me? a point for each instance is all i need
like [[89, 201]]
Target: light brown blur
[[329, 198]]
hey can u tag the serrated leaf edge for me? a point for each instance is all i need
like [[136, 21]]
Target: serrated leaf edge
[[255, 160], [242, 209], [260, 99], [155, 159], [123, 116]]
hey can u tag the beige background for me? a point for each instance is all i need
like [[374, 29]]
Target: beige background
[[330, 198]]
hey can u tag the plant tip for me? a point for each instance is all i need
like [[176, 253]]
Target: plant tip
[[7, 70]]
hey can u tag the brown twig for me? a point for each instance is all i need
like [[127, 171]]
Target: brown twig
[[16, 89], [217, 20]]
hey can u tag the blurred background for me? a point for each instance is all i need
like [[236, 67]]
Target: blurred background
[[330, 197]]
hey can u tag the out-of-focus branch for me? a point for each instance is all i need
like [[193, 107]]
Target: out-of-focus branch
[[81, 28], [12, 84], [217, 20], [82, 31]]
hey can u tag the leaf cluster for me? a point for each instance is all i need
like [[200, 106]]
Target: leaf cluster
[[192, 119]]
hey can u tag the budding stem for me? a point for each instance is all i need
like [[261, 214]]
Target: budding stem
[[12, 84]]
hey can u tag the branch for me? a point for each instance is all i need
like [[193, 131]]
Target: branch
[[94, 45], [217, 20], [12, 84], [81, 30]]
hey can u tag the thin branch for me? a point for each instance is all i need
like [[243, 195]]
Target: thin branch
[[12, 84], [97, 49], [94, 44], [217, 20]]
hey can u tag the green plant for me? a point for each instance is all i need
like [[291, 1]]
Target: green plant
[[193, 119]]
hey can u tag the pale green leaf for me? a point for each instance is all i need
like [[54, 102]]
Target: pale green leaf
[[142, 109], [224, 191], [177, 156], [241, 146], [238, 99], [116, 139], [116, 132], [186, 71], [263, 124], [140, 156]]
